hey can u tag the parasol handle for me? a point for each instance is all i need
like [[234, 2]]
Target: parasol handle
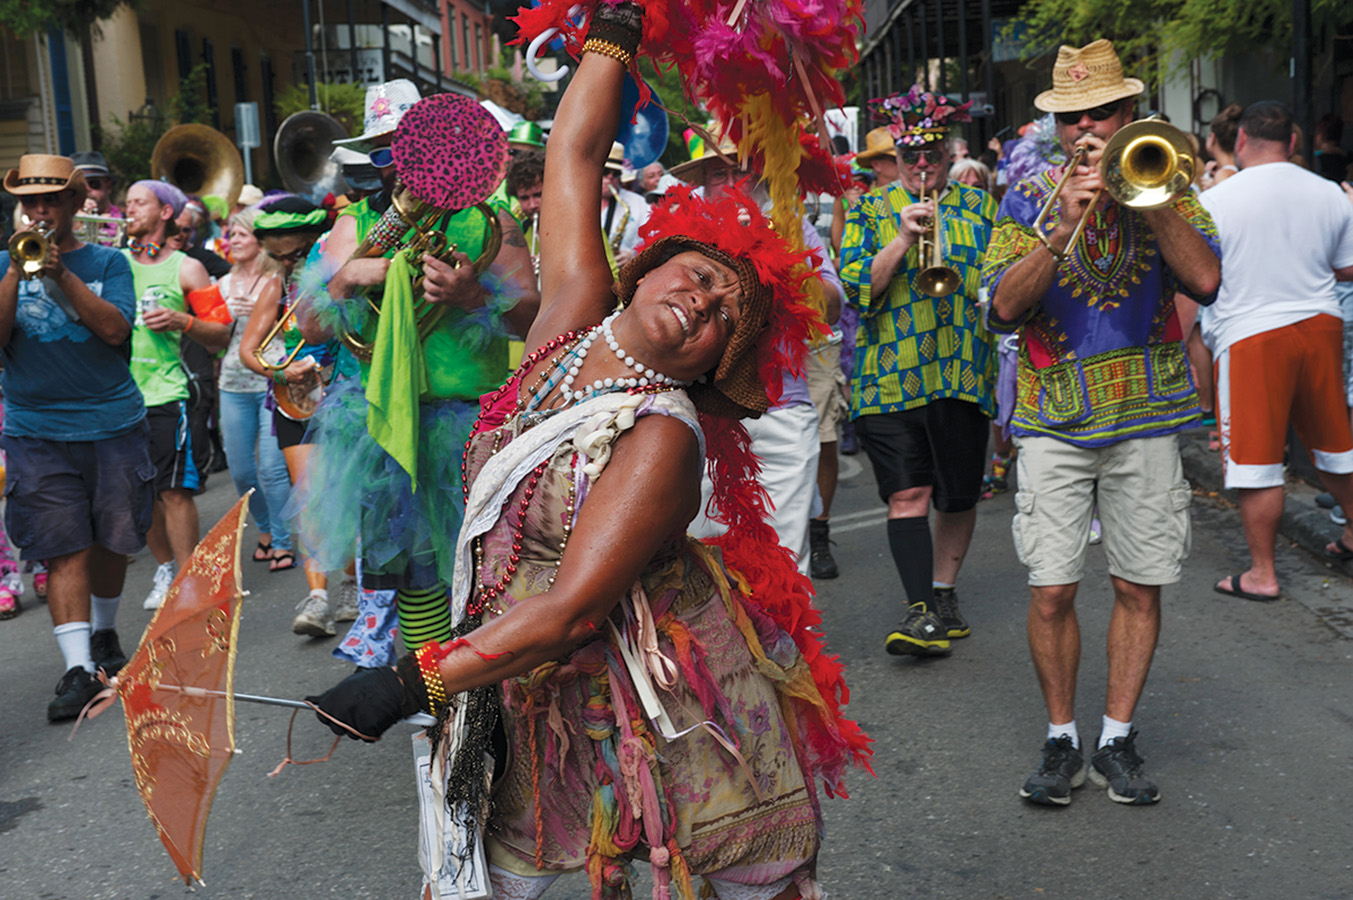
[[419, 719], [534, 48]]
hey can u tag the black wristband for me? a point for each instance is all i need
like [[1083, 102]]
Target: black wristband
[[621, 25]]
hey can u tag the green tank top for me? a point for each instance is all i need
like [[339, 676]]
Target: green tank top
[[155, 356], [457, 369]]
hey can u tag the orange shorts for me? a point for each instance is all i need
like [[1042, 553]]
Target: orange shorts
[[1291, 375]]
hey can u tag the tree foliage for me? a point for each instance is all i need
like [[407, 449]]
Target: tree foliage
[[1176, 31], [128, 146], [23, 17], [345, 102]]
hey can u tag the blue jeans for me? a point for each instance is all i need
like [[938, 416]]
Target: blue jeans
[[256, 462]]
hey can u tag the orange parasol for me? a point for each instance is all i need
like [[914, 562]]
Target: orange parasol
[[177, 694]]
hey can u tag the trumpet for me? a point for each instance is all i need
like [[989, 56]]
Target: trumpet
[[427, 222], [88, 228], [29, 249], [935, 279], [1147, 164]]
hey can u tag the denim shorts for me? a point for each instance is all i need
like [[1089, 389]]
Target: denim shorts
[[62, 497]]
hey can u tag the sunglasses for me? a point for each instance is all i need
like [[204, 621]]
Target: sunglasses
[[294, 256], [382, 157], [1098, 114], [49, 199], [97, 183], [911, 157]]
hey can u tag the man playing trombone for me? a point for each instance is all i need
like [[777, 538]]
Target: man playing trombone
[[925, 363], [1104, 385]]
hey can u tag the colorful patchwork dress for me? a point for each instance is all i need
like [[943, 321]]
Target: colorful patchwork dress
[[717, 778]]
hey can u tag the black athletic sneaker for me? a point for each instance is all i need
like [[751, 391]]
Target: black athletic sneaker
[[946, 607], [821, 563], [921, 634], [75, 689], [1118, 767], [106, 651], [1061, 771]]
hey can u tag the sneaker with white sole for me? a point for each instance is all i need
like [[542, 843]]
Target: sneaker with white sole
[[1118, 767], [164, 577], [1060, 771], [345, 610], [313, 616]]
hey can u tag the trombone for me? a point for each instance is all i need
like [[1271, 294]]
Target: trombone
[[1147, 164], [935, 279]]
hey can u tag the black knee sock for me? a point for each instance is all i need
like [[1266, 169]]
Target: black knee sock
[[424, 616], [914, 556]]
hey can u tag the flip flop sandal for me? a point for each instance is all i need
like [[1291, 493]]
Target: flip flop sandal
[[287, 560], [263, 552], [1237, 591], [1340, 553]]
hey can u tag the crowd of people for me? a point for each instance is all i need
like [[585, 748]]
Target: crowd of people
[[979, 320]]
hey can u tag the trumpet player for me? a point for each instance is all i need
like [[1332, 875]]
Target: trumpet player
[[99, 202], [75, 437], [922, 395], [1103, 388], [525, 183]]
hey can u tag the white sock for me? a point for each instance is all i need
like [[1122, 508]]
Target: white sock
[[941, 584], [1113, 729], [1067, 730], [73, 639], [104, 611]]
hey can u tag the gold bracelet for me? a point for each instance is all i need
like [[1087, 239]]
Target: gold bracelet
[[1059, 255], [607, 48]]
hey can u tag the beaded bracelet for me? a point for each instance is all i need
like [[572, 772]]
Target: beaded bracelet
[[427, 656], [606, 48]]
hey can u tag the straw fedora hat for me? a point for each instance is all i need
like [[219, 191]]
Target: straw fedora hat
[[877, 143], [615, 160], [39, 173], [693, 171], [1086, 77]]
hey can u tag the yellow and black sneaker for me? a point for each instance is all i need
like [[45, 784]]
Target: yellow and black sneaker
[[946, 607], [920, 634]]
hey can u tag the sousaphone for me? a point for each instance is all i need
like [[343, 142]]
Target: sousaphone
[[198, 159], [302, 148]]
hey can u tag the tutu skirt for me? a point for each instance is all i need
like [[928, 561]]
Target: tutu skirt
[[353, 489]]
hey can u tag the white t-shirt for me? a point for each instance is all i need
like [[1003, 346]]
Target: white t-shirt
[[1283, 232]]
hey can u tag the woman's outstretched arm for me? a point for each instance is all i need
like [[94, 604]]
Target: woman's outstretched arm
[[574, 274]]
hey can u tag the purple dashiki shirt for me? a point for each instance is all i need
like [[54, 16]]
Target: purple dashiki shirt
[[1100, 357]]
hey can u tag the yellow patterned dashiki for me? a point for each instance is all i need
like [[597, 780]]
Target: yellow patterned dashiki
[[913, 349]]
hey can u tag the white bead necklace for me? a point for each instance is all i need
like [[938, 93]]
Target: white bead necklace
[[644, 375]]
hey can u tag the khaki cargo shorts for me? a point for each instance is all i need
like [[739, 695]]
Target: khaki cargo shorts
[[1143, 501]]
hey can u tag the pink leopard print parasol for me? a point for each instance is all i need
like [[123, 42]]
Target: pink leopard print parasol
[[449, 151]]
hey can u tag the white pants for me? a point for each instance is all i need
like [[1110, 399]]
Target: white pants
[[786, 442]]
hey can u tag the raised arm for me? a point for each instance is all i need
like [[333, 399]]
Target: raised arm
[[574, 275]]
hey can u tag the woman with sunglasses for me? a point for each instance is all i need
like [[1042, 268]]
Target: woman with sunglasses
[[287, 230]]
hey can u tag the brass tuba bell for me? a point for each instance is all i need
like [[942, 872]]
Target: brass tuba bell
[[302, 148], [198, 159]]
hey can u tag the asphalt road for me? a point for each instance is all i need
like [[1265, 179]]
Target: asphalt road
[[1247, 724]]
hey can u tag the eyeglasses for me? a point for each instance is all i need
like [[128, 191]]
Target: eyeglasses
[[294, 256], [382, 157], [1098, 114], [912, 157]]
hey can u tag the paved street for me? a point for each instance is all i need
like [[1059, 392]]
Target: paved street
[[1247, 724]]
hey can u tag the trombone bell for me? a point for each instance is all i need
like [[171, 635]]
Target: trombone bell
[[1147, 164]]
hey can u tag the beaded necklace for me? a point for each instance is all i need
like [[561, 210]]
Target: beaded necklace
[[572, 345]]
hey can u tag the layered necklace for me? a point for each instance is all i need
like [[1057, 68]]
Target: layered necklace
[[565, 370]]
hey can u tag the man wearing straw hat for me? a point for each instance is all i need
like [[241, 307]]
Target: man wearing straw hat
[[75, 435], [879, 154], [622, 211], [1103, 387]]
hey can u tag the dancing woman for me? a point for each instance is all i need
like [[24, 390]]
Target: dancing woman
[[661, 697]]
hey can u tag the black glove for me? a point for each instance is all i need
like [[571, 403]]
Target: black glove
[[370, 701]]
